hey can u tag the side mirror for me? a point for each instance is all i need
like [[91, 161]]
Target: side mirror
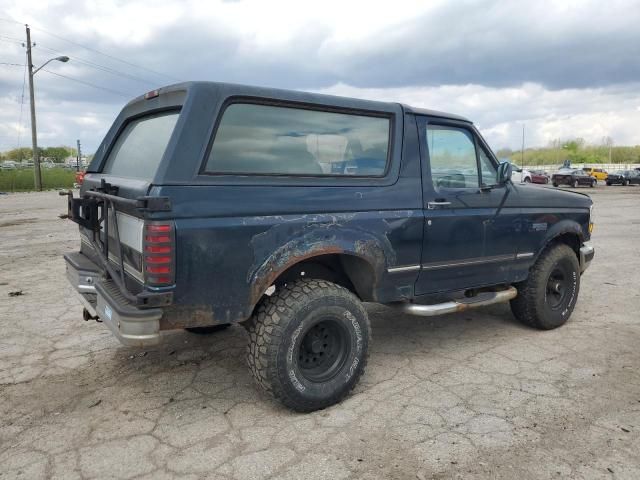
[[505, 170]]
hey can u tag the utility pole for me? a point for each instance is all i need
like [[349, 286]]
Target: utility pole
[[34, 135], [79, 156]]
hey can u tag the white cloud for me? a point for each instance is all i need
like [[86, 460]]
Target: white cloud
[[561, 75], [547, 114]]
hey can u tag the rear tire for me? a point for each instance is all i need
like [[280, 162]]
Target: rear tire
[[625, 183], [208, 329], [547, 297], [593, 183], [555, 184], [308, 344]]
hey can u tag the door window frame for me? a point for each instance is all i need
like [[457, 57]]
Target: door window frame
[[423, 122]]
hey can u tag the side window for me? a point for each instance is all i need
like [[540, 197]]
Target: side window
[[452, 156], [275, 140]]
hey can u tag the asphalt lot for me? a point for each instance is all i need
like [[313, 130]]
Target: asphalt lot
[[472, 395]]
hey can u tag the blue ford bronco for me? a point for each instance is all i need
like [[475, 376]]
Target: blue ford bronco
[[209, 204]]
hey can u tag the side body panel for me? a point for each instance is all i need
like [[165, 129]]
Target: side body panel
[[236, 235]]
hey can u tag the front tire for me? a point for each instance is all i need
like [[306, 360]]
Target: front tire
[[308, 344], [575, 184], [593, 183], [527, 180], [555, 184], [547, 297]]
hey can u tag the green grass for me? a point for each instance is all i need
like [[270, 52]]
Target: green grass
[[21, 180]]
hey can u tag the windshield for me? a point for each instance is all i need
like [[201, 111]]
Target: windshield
[[141, 145]]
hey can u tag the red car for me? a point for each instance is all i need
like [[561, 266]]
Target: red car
[[539, 176]]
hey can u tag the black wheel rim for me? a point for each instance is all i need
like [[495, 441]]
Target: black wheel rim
[[323, 350], [558, 285]]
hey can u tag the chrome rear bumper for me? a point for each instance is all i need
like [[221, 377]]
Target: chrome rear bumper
[[131, 325]]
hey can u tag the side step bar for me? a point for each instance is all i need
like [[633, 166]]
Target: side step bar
[[480, 300]]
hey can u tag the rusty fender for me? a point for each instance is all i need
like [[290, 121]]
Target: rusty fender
[[284, 245]]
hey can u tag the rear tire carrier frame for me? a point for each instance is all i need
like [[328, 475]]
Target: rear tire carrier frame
[[94, 209]]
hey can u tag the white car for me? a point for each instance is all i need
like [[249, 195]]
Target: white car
[[8, 165], [520, 175]]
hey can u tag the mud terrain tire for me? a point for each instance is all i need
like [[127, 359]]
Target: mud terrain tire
[[308, 344]]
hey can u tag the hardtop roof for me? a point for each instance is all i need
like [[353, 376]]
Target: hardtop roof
[[232, 89]]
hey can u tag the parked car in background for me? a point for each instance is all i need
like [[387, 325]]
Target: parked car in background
[[8, 165], [520, 175], [539, 176], [573, 178], [597, 173], [624, 177]]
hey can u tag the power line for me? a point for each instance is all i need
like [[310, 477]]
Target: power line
[[10, 21], [103, 68], [73, 79], [12, 64], [10, 40], [106, 54]]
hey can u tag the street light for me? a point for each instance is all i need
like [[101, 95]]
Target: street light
[[63, 59], [34, 136]]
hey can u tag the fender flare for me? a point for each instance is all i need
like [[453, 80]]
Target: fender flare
[[561, 228], [316, 241]]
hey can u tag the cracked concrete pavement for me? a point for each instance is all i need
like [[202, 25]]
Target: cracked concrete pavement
[[472, 395]]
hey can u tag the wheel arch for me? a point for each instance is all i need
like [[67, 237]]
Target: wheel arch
[[566, 232], [356, 262]]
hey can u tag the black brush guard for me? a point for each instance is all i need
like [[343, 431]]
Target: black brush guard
[[93, 210]]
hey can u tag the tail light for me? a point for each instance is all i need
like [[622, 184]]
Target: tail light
[[158, 245]]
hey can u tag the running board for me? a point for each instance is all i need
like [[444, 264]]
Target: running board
[[480, 300]]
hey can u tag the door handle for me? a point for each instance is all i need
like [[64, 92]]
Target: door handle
[[437, 204]]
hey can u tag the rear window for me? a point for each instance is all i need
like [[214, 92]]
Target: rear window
[[139, 148], [273, 140]]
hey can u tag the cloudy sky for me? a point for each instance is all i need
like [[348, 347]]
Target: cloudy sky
[[561, 68]]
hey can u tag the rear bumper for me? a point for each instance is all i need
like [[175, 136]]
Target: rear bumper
[[82, 273], [131, 325], [587, 252]]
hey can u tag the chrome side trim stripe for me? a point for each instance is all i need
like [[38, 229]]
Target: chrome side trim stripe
[[405, 268], [460, 263], [471, 261]]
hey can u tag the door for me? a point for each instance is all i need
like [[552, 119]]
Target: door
[[470, 236], [583, 178]]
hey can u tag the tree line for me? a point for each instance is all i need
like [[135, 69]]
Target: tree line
[[56, 154], [576, 150]]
